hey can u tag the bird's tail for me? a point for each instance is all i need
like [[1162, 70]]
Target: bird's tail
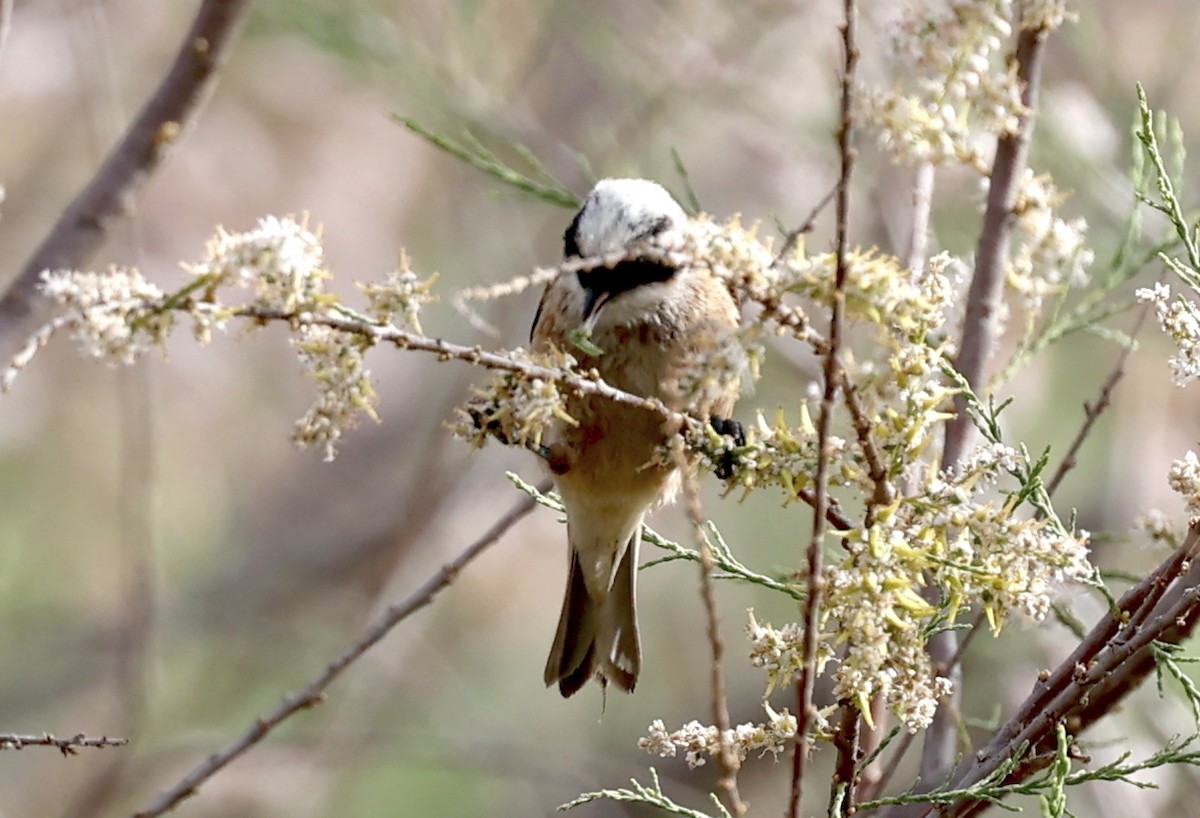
[[598, 638]]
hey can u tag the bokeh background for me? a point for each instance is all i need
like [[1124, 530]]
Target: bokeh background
[[170, 565]]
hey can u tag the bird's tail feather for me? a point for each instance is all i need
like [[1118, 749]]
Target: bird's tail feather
[[598, 638]]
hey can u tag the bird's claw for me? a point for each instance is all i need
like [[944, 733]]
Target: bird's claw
[[727, 427], [483, 415]]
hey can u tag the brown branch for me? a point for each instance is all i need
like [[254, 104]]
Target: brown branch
[[833, 510], [446, 350], [314, 691], [477, 355], [1105, 667], [805, 710], [980, 328], [67, 746], [844, 788], [110, 195]]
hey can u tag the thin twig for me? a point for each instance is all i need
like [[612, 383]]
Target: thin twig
[[719, 704], [893, 763], [806, 226], [67, 746], [462, 297], [832, 377], [312, 694], [82, 228], [1093, 411], [885, 493]]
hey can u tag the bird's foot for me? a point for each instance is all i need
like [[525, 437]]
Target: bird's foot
[[484, 415], [727, 459]]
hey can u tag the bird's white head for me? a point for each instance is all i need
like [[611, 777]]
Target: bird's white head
[[623, 216], [619, 213]]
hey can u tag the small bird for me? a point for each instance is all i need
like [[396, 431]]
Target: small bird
[[652, 326]]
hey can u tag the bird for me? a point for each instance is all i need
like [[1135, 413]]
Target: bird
[[652, 323]]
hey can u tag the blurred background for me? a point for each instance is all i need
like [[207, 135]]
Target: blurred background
[[172, 566]]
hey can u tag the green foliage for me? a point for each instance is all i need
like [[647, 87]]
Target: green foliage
[[651, 796], [537, 182], [1167, 661]]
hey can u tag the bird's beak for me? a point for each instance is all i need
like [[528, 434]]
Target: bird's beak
[[593, 302]]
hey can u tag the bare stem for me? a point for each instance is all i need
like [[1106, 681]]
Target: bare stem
[[82, 228], [313, 693], [1093, 411], [446, 350], [844, 788], [67, 746], [832, 379], [719, 704], [793, 236]]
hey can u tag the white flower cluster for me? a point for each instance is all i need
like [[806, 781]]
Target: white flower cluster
[[1050, 252], [701, 741], [780, 652], [777, 454], [879, 616], [1048, 15], [1158, 527], [984, 551], [957, 86], [280, 260], [1180, 319], [334, 359], [1184, 478], [734, 253], [400, 293], [1015, 564], [118, 315], [110, 315], [875, 618], [907, 305], [911, 402], [906, 399]]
